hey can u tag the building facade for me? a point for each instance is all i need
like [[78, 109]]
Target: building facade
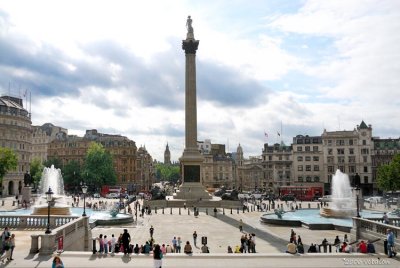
[[16, 134], [350, 152], [41, 138], [308, 161], [277, 161], [122, 149]]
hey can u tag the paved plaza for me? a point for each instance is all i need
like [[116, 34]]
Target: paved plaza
[[221, 231]]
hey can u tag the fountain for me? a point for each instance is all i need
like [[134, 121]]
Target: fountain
[[51, 178], [343, 202]]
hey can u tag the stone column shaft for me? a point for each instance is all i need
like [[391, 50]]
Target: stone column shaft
[[190, 102]]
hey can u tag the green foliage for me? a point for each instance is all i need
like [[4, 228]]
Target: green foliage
[[169, 173], [389, 175], [36, 170], [98, 169], [72, 175], [53, 161], [8, 161]]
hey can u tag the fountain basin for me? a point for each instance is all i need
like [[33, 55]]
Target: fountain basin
[[59, 210], [338, 213]]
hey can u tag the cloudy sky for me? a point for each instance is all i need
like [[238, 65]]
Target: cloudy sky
[[118, 67]]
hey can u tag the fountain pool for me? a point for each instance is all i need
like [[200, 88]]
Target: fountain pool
[[313, 220]]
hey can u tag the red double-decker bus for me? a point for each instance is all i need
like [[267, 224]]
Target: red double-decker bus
[[303, 193]]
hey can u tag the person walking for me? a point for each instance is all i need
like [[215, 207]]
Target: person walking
[[178, 245], [126, 238], [390, 243], [7, 250], [241, 225], [12, 242], [151, 230], [113, 242], [174, 244], [157, 256], [195, 239]]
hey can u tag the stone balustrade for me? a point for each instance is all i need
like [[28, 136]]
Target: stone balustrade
[[34, 221]]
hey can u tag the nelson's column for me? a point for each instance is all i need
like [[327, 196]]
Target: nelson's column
[[191, 160]]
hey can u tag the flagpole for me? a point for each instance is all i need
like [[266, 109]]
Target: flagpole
[[281, 132]]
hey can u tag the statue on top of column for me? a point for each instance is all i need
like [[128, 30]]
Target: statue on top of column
[[189, 25]]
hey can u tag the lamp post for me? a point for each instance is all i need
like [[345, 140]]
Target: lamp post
[[84, 191], [49, 197], [357, 189]]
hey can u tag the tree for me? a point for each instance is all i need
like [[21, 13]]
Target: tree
[[98, 169], [167, 172], [8, 161], [53, 161], [36, 170], [72, 176], [389, 175]]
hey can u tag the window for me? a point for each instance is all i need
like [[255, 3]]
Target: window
[[342, 169], [339, 142], [330, 151], [329, 159], [299, 149], [340, 151], [340, 159], [352, 159], [300, 179], [316, 179], [315, 158], [329, 142], [308, 158], [365, 159], [364, 142], [270, 157], [316, 168], [351, 142], [365, 179], [308, 168], [280, 157], [300, 168], [315, 148], [365, 169], [308, 179], [351, 150], [299, 158], [352, 169], [365, 151], [307, 148]]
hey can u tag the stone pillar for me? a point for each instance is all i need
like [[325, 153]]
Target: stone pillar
[[191, 160]]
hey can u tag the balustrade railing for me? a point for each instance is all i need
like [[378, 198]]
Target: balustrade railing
[[34, 221]]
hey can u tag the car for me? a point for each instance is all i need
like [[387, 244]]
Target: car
[[374, 199], [325, 198], [112, 195], [96, 195]]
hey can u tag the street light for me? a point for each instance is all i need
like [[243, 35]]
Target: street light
[[49, 197], [84, 191], [357, 189]]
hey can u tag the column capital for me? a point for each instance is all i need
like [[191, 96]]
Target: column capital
[[190, 46]]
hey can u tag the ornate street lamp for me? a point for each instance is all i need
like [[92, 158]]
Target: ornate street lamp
[[84, 191], [49, 197]]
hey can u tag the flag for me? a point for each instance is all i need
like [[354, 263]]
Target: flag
[[266, 134], [279, 134]]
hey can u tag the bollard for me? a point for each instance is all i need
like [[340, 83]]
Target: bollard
[[188, 211], [231, 211], [318, 206], [309, 205], [206, 211], [13, 203], [171, 210], [223, 211], [155, 210], [163, 210], [94, 246], [179, 211], [2, 202], [237, 210]]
